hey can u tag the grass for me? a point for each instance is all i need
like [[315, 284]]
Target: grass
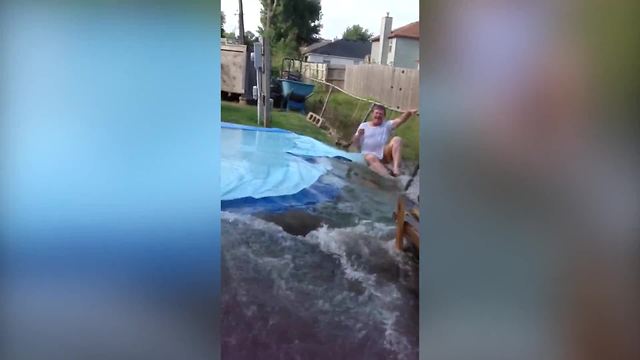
[[342, 112], [410, 133], [296, 122]]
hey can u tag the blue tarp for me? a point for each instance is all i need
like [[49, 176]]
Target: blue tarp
[[259, 163], [316, 193]]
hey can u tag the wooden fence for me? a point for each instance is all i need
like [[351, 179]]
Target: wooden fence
[[332, 74], [397, 88], [316, 71]]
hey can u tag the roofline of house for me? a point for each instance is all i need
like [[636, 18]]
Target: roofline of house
[[377, 38], [394, 33], [315, 45], [338, 56], [311, 51]]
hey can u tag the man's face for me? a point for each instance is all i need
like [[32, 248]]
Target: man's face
[[378, 117]]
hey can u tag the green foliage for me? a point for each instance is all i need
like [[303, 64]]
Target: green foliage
[[230, 36], [294, 23], [292, 20], [356, 33], [284, 48], [410, 133], [250, 37]]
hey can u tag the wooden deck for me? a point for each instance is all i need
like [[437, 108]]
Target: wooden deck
[[407, 218]]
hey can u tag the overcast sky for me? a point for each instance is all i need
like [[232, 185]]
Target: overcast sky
[[337, 15]]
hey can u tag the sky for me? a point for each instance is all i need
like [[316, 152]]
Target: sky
[[337, 15]]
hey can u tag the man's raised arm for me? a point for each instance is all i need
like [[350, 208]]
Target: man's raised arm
[[403, 118]]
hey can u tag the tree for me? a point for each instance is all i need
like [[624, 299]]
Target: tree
[[250, 38], [356, 33], [230, 36], [294, 21], [222, 21]]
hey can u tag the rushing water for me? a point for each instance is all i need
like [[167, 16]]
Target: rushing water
[[323, 282]]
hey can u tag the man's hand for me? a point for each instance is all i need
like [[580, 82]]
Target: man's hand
[[356, 138]]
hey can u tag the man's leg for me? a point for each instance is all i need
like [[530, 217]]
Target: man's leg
[[375, 165], [393, 153]]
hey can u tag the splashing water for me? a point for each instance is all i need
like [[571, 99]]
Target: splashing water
[[341, 291]]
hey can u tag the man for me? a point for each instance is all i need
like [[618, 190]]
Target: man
[[372, 137]]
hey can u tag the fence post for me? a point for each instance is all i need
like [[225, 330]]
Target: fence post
[[326, 101]]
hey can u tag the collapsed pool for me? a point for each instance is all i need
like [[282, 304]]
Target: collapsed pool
[[316, 275]]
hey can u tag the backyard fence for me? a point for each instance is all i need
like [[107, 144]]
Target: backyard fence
[[330, 73], [397, 88]]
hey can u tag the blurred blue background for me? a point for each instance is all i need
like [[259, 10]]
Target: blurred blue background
[[109, 188]]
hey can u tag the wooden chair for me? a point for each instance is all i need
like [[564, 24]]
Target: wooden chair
[[407, 218]]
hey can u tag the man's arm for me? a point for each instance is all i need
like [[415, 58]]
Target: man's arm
[[403, 118]]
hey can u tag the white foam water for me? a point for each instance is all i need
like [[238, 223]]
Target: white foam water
[[334, 288]]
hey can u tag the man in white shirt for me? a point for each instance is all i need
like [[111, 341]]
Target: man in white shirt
[[372, 137]]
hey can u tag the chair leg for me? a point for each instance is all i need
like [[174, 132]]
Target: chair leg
[[400, 225]]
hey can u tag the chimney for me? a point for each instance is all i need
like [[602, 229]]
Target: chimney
[[385, 30]]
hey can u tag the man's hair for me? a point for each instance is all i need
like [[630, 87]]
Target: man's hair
[[380, 107]]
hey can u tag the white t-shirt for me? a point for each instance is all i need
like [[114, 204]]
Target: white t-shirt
[[375, 137]]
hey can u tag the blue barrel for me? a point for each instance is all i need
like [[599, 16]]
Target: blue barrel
[[298, 87], [300, 91]]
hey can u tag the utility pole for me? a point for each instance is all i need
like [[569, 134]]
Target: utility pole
[[266, 85], [241, 21], [247, 91], [258, 64]]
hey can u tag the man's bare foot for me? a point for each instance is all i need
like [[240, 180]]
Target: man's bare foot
[[393, 173]]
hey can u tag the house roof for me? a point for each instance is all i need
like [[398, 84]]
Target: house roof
[[319, 43], [341, 47], [410, 31]]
